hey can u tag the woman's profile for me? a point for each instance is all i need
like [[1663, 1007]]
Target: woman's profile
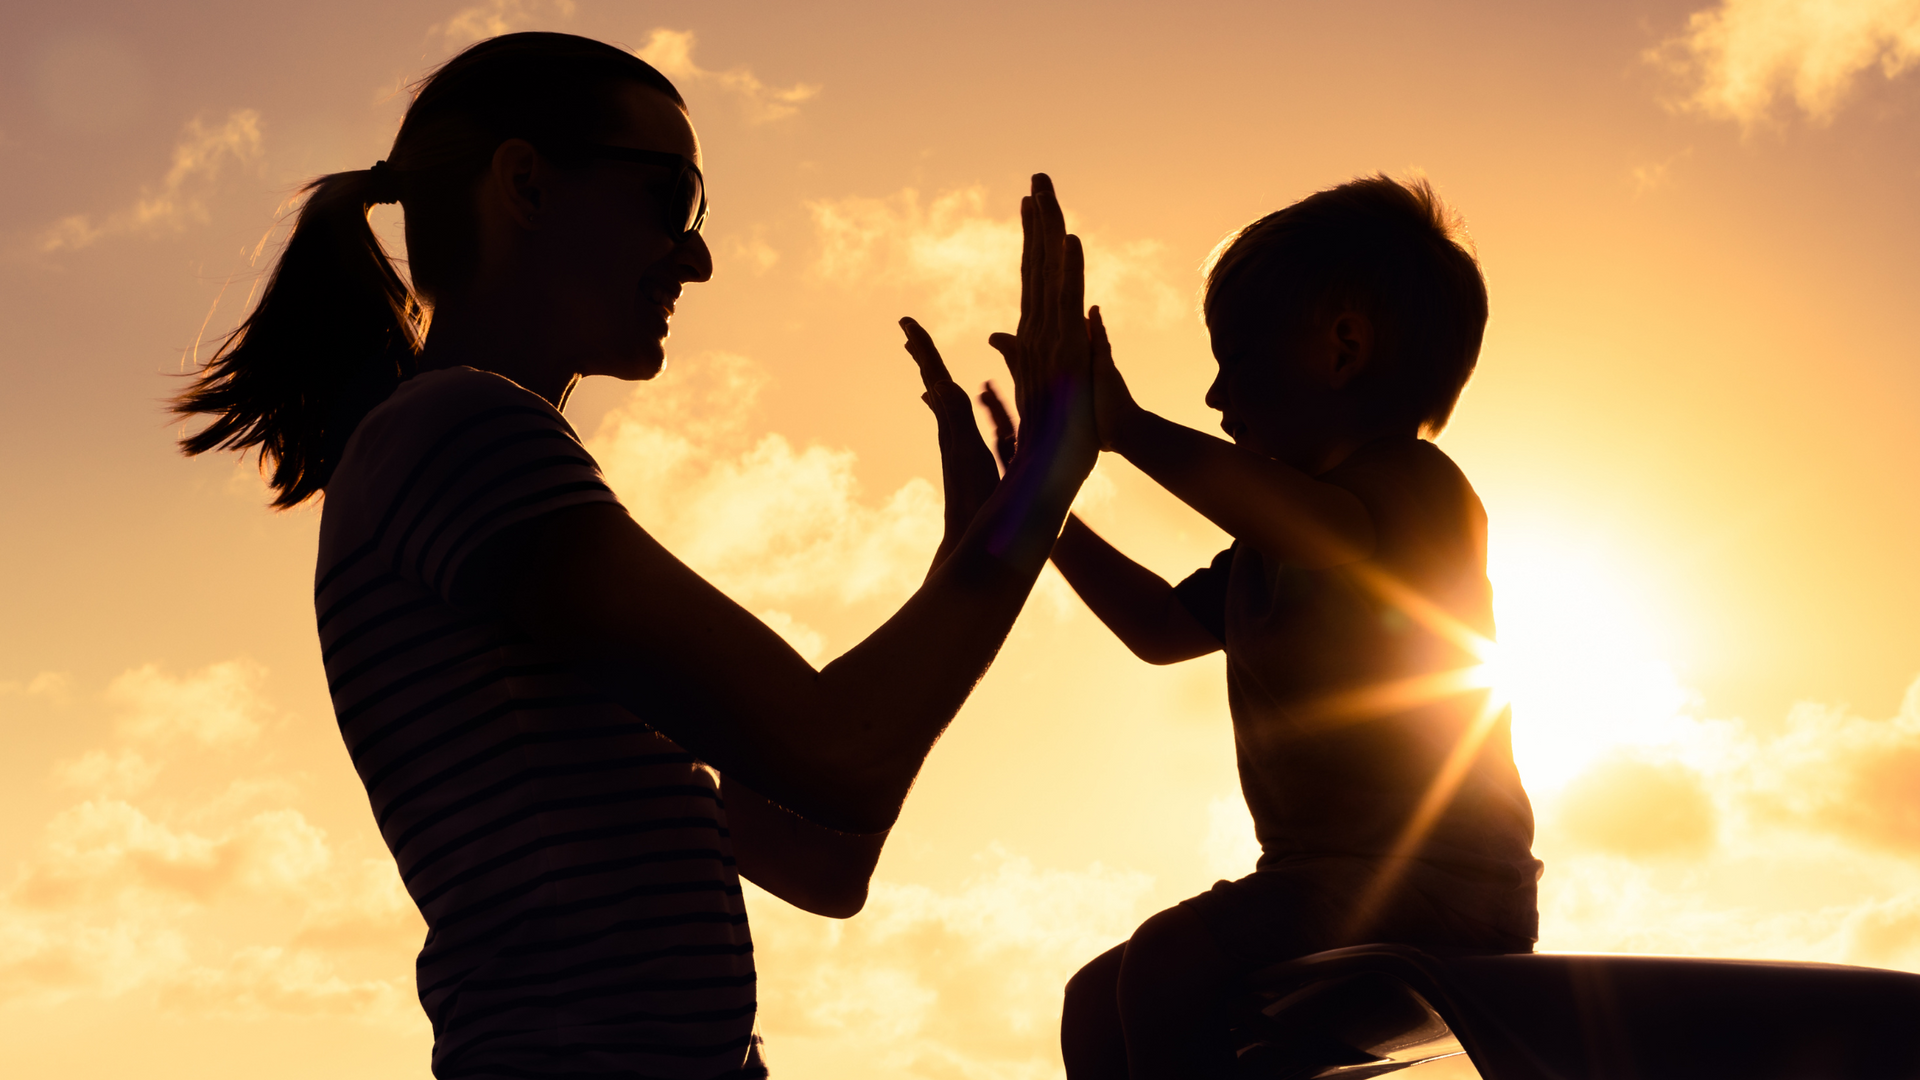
[[572, 744]]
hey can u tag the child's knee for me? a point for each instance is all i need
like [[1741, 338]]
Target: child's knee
[[1097, 982], [1173, 949]]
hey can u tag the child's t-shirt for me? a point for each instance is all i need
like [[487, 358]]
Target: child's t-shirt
[[1352, 707]]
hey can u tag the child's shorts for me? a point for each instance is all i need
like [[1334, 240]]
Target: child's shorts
[[1309, 904]]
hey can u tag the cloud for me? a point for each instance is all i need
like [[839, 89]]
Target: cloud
[[768, 523], [1639, 809], [48, 685], [932, 983], [1791, 838], [671, 51], [178, 199], [217, 706], [1741, 56], [496, 17], [116, 896], [968, 262]]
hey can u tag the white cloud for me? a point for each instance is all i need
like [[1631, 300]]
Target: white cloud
[[931, 983], [1792, 839], [215, 706], [117, 895], [496, 17], [178, 200], [967, 261], [766, 522], [47, 685], [1743, 55], [671, 51]]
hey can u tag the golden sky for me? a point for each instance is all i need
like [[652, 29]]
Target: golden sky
[[1696, 428]]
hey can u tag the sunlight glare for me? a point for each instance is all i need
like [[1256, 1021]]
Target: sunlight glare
[[1581, 658]]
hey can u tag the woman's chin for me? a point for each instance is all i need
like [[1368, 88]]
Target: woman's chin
[[643, 364]]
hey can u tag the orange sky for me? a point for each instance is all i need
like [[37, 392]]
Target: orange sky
[[1694, 428]]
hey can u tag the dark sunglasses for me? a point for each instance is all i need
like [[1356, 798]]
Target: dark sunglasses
[[686, 202]]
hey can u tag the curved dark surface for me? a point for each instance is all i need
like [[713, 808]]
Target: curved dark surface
[[1601, 1017]]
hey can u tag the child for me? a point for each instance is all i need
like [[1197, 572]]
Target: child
[[1379, 774]]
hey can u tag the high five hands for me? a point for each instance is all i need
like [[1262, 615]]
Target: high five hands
[[1054, 359]]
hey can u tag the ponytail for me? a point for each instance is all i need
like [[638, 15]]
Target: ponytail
[[334, 332], [337, 328]]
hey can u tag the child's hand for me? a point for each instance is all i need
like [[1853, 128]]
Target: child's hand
[[1113, 403], [1005, 439], [966, 465]]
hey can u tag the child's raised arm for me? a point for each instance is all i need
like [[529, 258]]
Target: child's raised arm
[[1134, 602], [1280, 511]]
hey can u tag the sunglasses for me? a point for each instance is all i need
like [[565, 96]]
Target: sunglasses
[[686, 202]]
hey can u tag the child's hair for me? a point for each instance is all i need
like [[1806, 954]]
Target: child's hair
[[1388, 248], [337, 328]]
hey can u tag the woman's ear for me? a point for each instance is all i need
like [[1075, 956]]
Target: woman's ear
[[516, 177], [1352, 339]]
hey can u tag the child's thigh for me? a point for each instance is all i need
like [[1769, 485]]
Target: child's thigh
[[1298, 909]]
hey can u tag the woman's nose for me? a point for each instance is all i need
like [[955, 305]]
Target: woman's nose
[[695, 258]]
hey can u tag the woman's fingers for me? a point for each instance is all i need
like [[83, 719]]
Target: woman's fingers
[[1030, 251], [933, 370], [1073, 285]]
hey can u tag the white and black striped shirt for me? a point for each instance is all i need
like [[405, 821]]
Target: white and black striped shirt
[[573, 865]]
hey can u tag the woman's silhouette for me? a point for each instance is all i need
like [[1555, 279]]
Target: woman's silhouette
[[532, 689]]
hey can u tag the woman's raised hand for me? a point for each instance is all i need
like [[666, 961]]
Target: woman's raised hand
[[967, 471], [1050, 355]]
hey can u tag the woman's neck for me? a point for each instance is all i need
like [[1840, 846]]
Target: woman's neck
[[487, 337]]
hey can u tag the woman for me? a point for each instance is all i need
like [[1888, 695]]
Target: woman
[[536, 694]]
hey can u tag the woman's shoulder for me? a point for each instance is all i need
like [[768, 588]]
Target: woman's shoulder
[[431, 405], [432, 416]]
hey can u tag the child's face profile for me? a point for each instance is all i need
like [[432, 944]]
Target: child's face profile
[[1272, 391]]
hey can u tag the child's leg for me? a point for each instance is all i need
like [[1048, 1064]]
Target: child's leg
[[1091, 1040], [1174, 982]]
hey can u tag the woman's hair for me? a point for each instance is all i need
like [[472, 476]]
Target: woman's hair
[[337, 327], [1385, 247]]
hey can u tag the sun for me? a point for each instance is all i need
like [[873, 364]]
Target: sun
[[1583, 657]]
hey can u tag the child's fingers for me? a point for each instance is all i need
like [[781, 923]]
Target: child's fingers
[[1003, 428], [933, 370], [1102, 348]]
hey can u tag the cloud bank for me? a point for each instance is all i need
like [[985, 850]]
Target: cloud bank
[[776, 527], [188, 872], [671, 51], [179, 198], [939, 984], [1739, 838], [496, 17], [967, 260], [1742, 56]]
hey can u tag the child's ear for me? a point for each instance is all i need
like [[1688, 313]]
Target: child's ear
[[1352, 338]]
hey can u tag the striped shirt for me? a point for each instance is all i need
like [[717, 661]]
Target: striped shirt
[[584, 915]]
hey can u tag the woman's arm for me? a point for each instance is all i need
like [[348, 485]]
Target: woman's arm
[[812, 868], [1136, 604], [840, 746], [967, 472]]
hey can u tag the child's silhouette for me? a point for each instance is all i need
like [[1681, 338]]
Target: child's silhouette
[[1379, 775]]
